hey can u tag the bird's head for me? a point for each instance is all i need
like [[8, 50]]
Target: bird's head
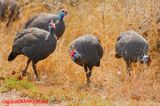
[[74, 55], [62, 13], [52, 27], [146, 59]]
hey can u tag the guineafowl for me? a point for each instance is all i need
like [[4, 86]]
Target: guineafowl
[[86, 51], [2, 9], [12, 8], [36, 44], [41, 21], [132, 47], [14, 12]]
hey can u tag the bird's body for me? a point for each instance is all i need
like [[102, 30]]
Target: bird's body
[[35, 43], [42, 20], [2, 8], [12, 8], [88, 51], [131, 46]]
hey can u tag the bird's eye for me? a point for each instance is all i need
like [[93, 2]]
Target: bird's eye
[[74, 52]]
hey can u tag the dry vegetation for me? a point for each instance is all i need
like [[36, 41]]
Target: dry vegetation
[[66, 80]]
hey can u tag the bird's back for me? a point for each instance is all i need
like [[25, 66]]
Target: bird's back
[[131, 46], [35, 43], [43, 19], [3, 7], [131, 34], [90, 49]]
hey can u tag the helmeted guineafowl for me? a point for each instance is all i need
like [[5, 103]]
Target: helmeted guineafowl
[[12, 8], [2, 9], [132, 47], [86, 51], [42, 20], [14, 12], [36, 44]]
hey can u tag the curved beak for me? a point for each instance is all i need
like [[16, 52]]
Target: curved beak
[[65, 12]]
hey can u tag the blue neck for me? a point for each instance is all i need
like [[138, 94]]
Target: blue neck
[[51, 30], [60, 16]]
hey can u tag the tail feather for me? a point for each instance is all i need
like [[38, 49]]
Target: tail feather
[[117, 56], [12, 56]]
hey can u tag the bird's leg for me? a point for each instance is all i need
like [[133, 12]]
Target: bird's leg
[[88, 73], [86, 70], [35, 71], [129, 69], [25, 70]]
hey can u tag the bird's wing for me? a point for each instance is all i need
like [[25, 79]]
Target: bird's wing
[[99, 49], [30, 21], [97, 44], [121, 45], [29, 37]]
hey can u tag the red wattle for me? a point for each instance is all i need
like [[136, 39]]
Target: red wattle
[[72, 53]]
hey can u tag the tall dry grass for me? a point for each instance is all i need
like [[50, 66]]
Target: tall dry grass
[[105, 19]]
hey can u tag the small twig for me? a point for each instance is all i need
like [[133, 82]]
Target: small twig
[[103, 16]]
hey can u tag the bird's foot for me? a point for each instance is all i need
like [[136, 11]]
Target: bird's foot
[[40, 82], [23, 73], [88, 83], [129, 77], [37, 79], [129, 73], [19, 77]]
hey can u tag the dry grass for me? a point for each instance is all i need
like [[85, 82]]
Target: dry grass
[[104, 19]]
